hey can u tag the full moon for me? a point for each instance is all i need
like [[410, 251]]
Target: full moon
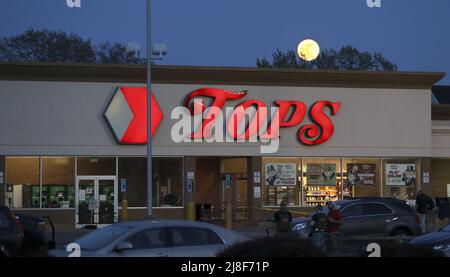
[[308, 50]]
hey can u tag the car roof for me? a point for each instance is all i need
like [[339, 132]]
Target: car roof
[[158, 222], [371, 199], [368, 200]]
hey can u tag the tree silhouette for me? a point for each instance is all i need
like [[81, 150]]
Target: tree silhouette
[[57, 46], [347, 58]]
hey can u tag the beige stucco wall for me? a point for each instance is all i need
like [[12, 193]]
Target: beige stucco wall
[[62, 118]]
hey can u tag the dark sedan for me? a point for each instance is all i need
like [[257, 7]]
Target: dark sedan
[[14, 227]]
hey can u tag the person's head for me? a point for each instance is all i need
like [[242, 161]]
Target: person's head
[[419, 192], [34, 245], [283, 205], [278, 246]]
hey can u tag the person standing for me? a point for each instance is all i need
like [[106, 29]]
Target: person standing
[[319, 228], [283, 219], [334, 226], [424, 204]]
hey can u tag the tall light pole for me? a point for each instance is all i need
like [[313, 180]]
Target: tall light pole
[[149, 124]]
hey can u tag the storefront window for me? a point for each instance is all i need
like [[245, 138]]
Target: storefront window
[[95, 166], [58, 178], [400, 178], [167, 181], [281, 181], [321, 180], [22, 182], [361, 177], [134, 172]]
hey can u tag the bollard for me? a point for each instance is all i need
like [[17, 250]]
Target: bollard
[[228, 215], [124, 212], [190, 211]]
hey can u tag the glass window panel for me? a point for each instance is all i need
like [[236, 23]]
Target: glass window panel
[[167, 181], [58, 179], [321, 180], [353, 210], [93, 166], [400, 178], [134, 171], [154, 238], [22, 182], [375, 209], [361, 177], [184, 236], [281, 181]]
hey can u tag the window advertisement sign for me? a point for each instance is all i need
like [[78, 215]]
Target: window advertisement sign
[[321, 174], [281, 174], [400, 174], [361, 174]]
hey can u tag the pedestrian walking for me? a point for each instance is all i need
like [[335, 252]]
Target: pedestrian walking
[[319, 229], [283, 219], [424, 204], [334, 226]]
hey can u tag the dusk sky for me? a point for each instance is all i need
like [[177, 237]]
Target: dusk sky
[[415, 34]]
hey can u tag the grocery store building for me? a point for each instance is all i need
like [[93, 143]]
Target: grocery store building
[[72, 134]]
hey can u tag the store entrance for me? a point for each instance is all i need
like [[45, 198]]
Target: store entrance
[[95, 201], [234, 191], [233, 187]]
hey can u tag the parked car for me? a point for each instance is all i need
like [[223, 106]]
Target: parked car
[[156, 238], [13, 228], [11, 233], [439, 241], [31, 223], [370, 217]]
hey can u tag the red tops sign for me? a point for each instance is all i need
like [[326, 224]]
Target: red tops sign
[[127, 112]]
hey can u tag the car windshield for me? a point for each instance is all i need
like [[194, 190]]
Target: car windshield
[[102, 237], [446, 228]]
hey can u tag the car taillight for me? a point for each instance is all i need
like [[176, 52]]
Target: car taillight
[[19, 225]]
